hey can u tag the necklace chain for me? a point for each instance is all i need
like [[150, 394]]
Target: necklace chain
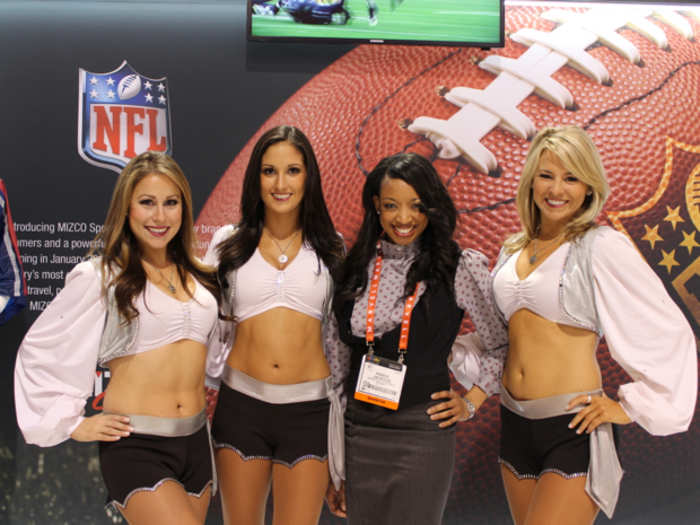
[[282, 257], [533, 257], [171, 286]]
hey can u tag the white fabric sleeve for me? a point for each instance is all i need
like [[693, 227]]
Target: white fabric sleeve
[[56, 362], [221, 337], [212, 256], [647, 335], [474, 294], [218, 347]]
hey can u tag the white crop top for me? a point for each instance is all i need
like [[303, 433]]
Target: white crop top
[[55, 367], [163, 319], [301, 286], [538, 292]]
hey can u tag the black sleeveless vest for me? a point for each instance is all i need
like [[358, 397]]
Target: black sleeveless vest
[[435, 324]]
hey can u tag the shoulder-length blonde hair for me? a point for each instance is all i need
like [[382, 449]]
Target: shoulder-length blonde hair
[[120, 251], [576, 151]]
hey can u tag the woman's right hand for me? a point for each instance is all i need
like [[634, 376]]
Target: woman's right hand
[[102, 427], [336, 500]]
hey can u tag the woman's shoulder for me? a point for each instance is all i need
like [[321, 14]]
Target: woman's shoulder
[[308, 244], [470, 257], [84, 284], [608, 235], [472, 264], [223, 233], [90, 269], [94, 267], [604, 241], [611, 252], [211, 257]]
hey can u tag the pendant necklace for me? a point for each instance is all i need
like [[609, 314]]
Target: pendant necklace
[[170, 285], [282, 258], [533, 257]]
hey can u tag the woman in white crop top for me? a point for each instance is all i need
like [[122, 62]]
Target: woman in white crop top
[[562, 283], [275, 268], [145, 309]]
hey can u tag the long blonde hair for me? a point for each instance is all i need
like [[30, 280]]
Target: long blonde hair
[[121, 254], [576, 151]]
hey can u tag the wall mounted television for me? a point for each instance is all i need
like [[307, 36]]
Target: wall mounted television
[[477, 23]]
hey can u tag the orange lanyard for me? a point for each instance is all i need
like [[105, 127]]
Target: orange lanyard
[[372, 304]]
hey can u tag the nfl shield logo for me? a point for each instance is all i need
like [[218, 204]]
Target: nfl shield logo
[[121, 114]]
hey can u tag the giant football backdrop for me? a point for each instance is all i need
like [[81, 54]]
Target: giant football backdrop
[[86, 85]]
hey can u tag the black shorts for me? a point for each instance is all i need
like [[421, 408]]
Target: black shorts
[[283, 433], [143, 462], [532, 447]]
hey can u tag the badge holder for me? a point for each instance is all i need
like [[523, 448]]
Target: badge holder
[[380, 381]]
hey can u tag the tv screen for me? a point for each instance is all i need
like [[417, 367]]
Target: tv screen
[[440, 22]]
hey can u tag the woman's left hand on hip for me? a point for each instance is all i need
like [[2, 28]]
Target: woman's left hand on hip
[[597, 409], [450, 411]]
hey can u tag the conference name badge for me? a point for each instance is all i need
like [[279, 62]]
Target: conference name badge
[[380, 381]]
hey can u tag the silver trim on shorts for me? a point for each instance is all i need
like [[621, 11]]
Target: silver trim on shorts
[[167, 426], [604, 470]]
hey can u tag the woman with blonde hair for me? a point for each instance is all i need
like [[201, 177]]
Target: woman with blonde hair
[[144, 307], [562, 283]]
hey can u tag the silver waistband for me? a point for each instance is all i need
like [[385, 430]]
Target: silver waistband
[[604, 470], [167, 426], [276, 394], [543, 407], [295, 393]]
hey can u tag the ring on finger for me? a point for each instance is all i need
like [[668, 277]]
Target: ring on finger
[[589, 399]]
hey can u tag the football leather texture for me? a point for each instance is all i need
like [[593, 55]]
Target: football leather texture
[[630, 76]]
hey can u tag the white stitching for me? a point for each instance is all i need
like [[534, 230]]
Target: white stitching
[[244, 457], [538, 476], [516, 78], [155, 487], [302, 458], [239, 451]]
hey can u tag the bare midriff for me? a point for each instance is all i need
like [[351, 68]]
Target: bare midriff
[[547, 358], [280, 346], [165, 382]]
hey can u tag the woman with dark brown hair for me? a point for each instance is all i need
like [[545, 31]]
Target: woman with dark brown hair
[[277, 394], [145, 308], [403, 292]]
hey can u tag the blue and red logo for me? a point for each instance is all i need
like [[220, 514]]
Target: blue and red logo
[[121, 114]]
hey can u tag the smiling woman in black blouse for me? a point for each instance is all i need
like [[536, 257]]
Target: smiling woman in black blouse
[[399, 422]]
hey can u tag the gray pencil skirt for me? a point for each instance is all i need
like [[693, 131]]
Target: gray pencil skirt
[[398, 465]]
